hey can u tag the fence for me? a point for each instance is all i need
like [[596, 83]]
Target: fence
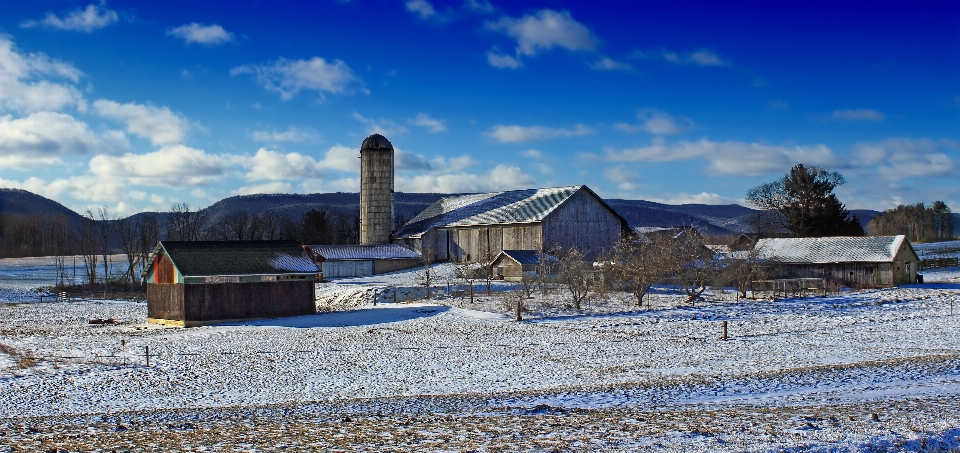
[[934, 263]]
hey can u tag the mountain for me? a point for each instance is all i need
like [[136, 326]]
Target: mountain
[[17, 201]]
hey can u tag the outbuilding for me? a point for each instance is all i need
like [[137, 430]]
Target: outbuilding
[[194, 283], [362, 260], [512, 264], [865, 261]]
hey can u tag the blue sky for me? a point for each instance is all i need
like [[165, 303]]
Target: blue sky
[[139, 105]]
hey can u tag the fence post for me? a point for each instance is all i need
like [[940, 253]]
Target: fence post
[[147, 354], [724, 337]]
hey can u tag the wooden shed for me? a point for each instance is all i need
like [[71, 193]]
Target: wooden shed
[[512, 264], [866, 261], [194, 283], [477, 227], [362, 260]]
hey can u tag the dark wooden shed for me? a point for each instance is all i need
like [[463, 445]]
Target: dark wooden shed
[[512, 264], [193, 283]]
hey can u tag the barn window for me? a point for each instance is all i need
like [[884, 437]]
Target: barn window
[[869, 271]]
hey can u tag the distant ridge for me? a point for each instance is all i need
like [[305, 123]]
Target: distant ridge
[[18, 201]]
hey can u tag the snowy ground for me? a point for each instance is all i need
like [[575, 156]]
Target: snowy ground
[[875, 370]]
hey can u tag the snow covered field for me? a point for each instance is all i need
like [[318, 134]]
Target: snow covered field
[[875, 370]]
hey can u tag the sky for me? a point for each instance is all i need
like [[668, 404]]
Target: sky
[[136, 106]]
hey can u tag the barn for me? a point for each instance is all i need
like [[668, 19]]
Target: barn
[[477, 227], [362, 260], [866, 261], [194, 283]]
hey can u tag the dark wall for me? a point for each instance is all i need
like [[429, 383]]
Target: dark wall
[[225, 301], [165, 301]]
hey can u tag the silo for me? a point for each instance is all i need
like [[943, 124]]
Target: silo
[[376, 190]]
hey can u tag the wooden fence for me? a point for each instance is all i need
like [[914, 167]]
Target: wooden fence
[[933, 263]]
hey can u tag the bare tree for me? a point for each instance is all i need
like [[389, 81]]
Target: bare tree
[[741, 269], [425, 275], [185, 224], [468, 273], [103, 236], [87, 248], [637, 265], [693, 264], [573, 275]]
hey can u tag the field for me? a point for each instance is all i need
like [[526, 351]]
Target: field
[[874, 370]]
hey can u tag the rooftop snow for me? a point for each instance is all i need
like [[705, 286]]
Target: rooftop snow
[[363, 252], [831, 249]]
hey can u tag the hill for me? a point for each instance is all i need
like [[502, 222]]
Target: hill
[[17, 201]]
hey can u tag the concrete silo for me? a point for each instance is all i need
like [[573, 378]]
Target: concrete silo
[[376, 190]]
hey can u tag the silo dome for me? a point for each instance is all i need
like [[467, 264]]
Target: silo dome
[[376, 142]]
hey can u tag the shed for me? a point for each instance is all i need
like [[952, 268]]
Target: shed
[[193, 283], [477, 227], [866, 261], [512, 264], [362, 260]]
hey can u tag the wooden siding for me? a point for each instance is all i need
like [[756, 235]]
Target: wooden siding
[[165, 301], [582, 222], [210, 303], [510, 269], [865, 275], [163, 270], [384, 266], [357, 268]]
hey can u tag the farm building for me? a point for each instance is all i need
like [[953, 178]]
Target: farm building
[[207, 282], [512, 264], [479, 226], [362, 260], [867, 261]]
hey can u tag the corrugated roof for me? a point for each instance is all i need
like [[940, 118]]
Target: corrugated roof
[[363, 252], [515, 206], [523, 256], [875, 249], [209, 258]]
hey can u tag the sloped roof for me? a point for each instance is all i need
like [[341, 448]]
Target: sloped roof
[[363, 252], [209, 258], [515, 206], [523, 256], [871, 249]]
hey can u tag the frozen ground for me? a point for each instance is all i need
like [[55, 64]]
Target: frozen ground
[[875, 370]]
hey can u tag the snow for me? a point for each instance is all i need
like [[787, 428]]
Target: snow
[[796, 374]]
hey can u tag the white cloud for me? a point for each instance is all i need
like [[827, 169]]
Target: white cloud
[[502, 61], [658, 123], [381, 126], [532, 154], [452, 165], [45, 137], [544, 30], [274, 166], [171, 166], [421, 7], [91, 18], [201, 34], [730, 158], [404, 160], [422, 119], [158, 124], [700, 198], [697, 58], [608, 64], [342, 158], [501, 177], [292, 134], [625, 179], [898, 159], [87, 188], [288, 77], [857, 115], [517, 134], [21, 86]]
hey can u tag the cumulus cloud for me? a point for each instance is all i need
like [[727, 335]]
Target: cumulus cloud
[[201, 34], [381, 126], [426, 11], [730, 157], [44, 137], [271, 165], [292, 134], [501, 61], [898, 159], [696, 58], [342, 158], [93, 17], [501, 177], [423, 8], [404, 160], [158, 124], [171, 166], [625, 179], [857, 115], [518, 134], [532, 154], [423, 120], [658, 123], [22, 80], [87, 188], [608, 64], [545, 30], [289, 77]]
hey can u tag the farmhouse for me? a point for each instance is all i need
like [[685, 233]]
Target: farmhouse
[[208, 282], [479, 226], [868, 261], [362, 260]]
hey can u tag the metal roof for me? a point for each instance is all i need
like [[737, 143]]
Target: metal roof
[[209, 258], [875, 249], [362, 252], [515, 206], [523, 256]]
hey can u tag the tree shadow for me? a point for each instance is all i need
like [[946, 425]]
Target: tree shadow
[[363, 317]]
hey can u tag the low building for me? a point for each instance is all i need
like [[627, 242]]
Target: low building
[[362, 260], [512, 264], [865, 261], [193, 283]]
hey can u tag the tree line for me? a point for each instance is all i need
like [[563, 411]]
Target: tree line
[[918, 222]]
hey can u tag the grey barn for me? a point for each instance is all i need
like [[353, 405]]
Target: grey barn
[[478, 227]]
